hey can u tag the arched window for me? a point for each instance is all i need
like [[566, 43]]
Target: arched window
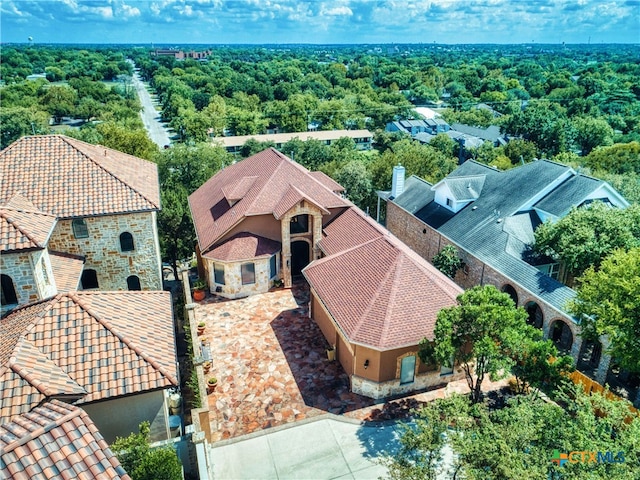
[[126, 242], [89, 279], [133, 282], [9, 296], [79, 227], [509, 290], [536, 317]]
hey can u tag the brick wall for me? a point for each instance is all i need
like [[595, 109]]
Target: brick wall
[[103, 253]]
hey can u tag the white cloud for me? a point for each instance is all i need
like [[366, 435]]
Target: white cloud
[[336, 11]]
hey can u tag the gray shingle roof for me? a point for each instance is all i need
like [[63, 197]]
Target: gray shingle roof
[[570, 193], [496, 226]]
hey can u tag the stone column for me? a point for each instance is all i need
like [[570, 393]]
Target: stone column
[[576, 347], [603, 368], [286, 250]]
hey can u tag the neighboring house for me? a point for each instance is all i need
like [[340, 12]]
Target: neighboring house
[[267, 218], [490, 217], [431, 126], [56, 441], [363, 138], [66, 202], [111, 352], [489, 134]]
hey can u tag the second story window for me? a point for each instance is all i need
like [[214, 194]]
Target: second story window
[[79, 226], [126, 242], [299, 224], [133, 282]]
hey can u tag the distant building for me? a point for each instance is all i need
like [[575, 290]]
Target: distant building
[[180, 54], [363, 138]]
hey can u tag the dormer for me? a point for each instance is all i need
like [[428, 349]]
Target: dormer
[[236, 191], [455, 193]]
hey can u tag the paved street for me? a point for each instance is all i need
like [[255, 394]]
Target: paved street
[[156, 130]]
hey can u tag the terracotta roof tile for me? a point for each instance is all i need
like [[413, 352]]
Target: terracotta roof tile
[[23, 226], [67, 270], [349, 230], [91, 344], [289, 198], [31, 445], [274, 172], [327, 181], [379, 292], [70, 178], [244, 246]]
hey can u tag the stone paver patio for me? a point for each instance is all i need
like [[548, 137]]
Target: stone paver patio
[[270, 361]]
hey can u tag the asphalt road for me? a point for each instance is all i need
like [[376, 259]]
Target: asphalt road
[[157, 130]]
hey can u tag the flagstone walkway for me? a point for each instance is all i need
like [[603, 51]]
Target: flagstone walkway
[[270, 361]]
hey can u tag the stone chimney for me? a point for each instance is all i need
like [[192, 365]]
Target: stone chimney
[[397, 182]]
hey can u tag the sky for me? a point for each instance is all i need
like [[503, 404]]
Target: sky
[[167, 22]]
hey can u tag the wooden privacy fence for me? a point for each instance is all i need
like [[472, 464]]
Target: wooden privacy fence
[[591, 386]]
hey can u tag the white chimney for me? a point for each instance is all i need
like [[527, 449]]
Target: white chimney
[[397, 181]]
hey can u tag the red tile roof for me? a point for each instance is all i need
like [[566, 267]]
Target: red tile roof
[[93, 345], [67, 270], [70, 178], [23, 226], [380, 293], [275, 175], [327, 181], [244, 246], [56, 441]]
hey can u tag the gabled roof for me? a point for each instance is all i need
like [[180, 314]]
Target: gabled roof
[[497, 227], [67, 178], [278, 179], [379, 292], [463, 188], [23, 226], [56, 441], [67, 270], [491, 133], [243, 246], [327, 181], [87, 345]]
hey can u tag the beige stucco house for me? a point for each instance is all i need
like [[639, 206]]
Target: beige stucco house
[[266, 218]]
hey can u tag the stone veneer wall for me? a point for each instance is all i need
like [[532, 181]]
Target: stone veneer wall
[[25, 269], [378, 390], [233, 287], [103, 253]]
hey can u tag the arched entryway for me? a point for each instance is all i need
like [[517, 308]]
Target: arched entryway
[[509, 290], [535, 316], [561, 335], [299, 257]]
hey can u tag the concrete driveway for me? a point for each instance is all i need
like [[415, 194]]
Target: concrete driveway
[[327, 447]]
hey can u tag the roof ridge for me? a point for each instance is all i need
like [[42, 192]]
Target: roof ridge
[[20, 441], [390, 272], [17, 227], [109, 172], [114, 331], [397, 264]]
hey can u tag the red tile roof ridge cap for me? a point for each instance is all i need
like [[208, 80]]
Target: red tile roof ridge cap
[[322, 260], [71, 143], [72, 412], [392, 272], [397, 269], [57, 253], [15, 225], [114, 331], [302, 195]]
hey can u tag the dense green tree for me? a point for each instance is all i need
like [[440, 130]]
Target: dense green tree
[[519, 150], [620, 158], [142, 462], [608, 303], [477, 335], [585, 236], [448, 261], [591, 133], [520, 440], [59, 101], [355, 178], [16, 122]]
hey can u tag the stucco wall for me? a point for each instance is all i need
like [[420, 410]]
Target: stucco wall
[[121, 416], [103, 253]]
